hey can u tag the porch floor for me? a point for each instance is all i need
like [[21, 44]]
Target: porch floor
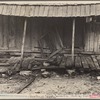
[[84, 62]]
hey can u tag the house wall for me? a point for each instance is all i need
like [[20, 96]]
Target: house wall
[[52, 33], [92, 37]]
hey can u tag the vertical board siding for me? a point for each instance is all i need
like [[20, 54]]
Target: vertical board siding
[[55, 31], [92, 37]]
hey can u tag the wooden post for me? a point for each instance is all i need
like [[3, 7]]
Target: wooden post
[[23, 40], [73, 39]]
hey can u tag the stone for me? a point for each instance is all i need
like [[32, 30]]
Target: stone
[[46, 74], [25, 73], [46, 64]]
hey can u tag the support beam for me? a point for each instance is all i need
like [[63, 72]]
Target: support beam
[[23, 40], [73, 39]]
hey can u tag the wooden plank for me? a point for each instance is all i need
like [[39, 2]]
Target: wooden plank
[[5, 32], [87, 10], [63, 62], [98, 59], [90, 63], [12, 33], [98, 38], [18, 8], [4, 9], [69, 11], [95, 38], [32, 10], [78, 63], [54, 53], [78, 10], [46, 10], [82, 10], [74, 11], [27, 11], [50, 13], [91, 42], [69, 63], [93, 10], [36, 12], [95, 62], [84, 62], [97, 32], [9, 10], [4, 64], [1, 31], [64, 11], [60, 10], [88, 37], [22, 11], [85, 39], [13, 10], [97, 9], [1, 8], [41, 11]]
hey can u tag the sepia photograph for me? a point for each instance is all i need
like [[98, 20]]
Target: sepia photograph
[[49, 49]]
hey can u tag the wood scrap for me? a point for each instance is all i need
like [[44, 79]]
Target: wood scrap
[[54, 53], [95, 62], [84, 62], [27, 84], [90, 63]]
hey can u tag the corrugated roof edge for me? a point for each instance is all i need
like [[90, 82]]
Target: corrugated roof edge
[[30, 3]]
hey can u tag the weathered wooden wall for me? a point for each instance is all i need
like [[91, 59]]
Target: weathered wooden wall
[[92, 37], [48, 31]]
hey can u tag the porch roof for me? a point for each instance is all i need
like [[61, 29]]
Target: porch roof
[[50, 8]]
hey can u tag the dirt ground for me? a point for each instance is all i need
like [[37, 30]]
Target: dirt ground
[[56, 86], [62, 86]]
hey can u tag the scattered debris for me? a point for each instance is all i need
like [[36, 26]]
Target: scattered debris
[[98, 77], [46, 64], [14, 60], [25, 73], [27, 84], [4, 75], [46, 74], [42, 70], [71, 72]]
